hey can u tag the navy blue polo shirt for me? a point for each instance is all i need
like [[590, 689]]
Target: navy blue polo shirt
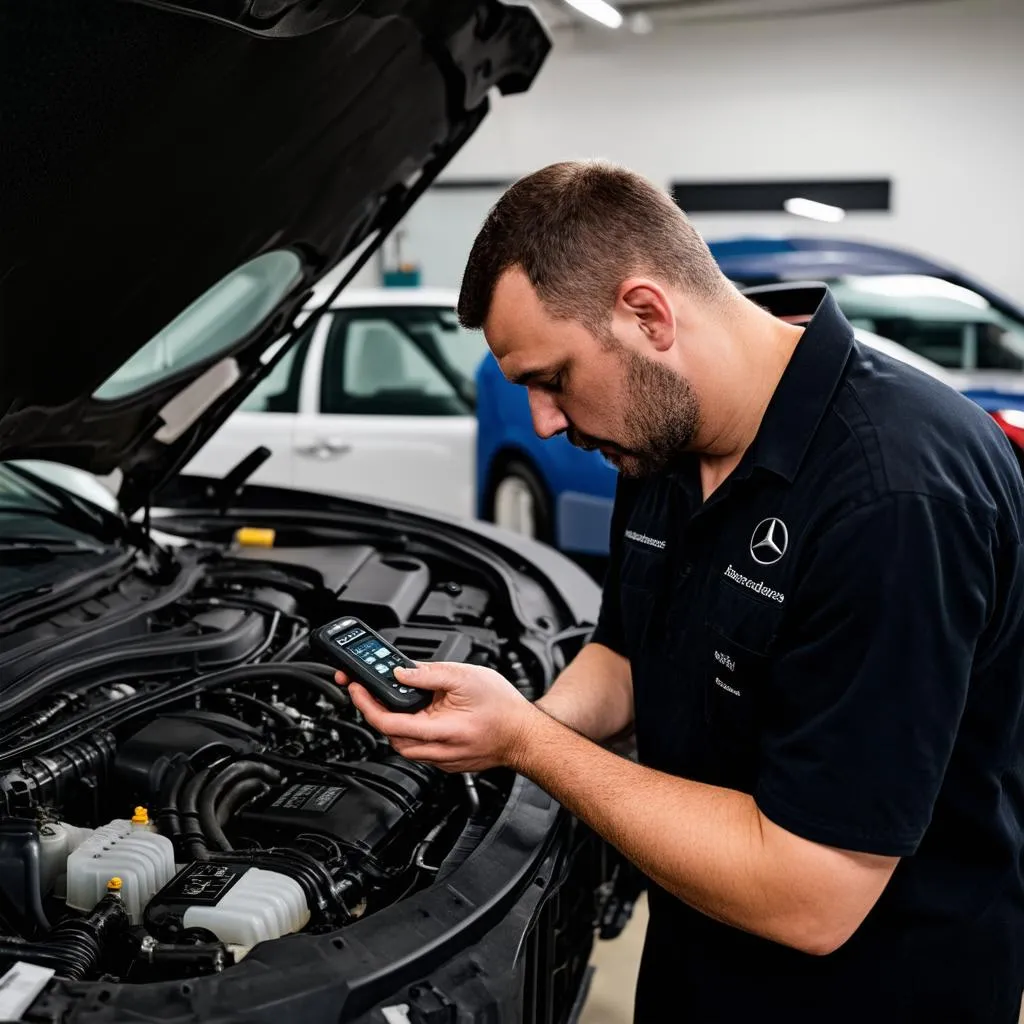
[[839, 631]]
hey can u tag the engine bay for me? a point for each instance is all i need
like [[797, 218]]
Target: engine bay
[[180, 781]]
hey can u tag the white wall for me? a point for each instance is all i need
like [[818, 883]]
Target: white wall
[[929, 95]]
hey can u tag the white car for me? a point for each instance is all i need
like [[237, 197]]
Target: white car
[[377, 401]]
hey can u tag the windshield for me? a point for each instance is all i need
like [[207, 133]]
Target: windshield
[[219, 318], [51, 501], [944, 322]]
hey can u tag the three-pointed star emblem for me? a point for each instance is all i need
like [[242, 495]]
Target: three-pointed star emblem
[[769, 542]]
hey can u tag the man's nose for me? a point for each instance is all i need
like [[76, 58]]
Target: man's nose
[[548, 419]]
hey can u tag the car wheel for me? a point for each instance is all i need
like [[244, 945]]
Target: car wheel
[[520, 503]]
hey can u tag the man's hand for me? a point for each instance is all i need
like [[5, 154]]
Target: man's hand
[[477, 719]]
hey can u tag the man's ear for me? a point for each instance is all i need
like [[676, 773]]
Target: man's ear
[[643, 306]]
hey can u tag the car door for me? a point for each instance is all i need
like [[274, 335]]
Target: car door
[[266, 417], [391, 425]]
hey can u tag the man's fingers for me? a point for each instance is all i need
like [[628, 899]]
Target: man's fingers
[[432, 753], [392, 724], [437, 675], [340, 678]]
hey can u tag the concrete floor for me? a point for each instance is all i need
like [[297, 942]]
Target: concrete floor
[[614, 983], [617, 962]]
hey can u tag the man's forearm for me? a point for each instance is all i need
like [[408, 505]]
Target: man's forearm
[[593, 695], [709, 846]]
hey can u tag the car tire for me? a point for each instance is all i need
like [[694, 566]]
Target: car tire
[[520, 503]]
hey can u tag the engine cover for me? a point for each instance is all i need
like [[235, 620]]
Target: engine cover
[[363, 812]]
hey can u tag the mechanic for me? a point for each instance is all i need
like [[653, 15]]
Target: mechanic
[[813, 617]]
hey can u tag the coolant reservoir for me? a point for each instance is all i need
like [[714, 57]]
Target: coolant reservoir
[[57, 840], [241, 905], [142, 859], [261, 905]]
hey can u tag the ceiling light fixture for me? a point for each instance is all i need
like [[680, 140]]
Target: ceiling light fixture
[[599, 10], [815, 210]]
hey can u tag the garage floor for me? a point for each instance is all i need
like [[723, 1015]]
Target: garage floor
[[611, 992]]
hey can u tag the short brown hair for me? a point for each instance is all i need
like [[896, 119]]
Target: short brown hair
[[578, 230]]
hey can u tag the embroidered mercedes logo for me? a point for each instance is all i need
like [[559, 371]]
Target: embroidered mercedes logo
[[769, 542]]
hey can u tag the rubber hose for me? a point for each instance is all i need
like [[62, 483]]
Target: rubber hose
[[192, 832], [216, 788], [359, 731], [292, 647], [169, 817], [73, 948], [234, 798], [30, 852]]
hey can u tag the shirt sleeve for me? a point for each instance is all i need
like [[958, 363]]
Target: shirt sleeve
[[870, 679], [609, 629]]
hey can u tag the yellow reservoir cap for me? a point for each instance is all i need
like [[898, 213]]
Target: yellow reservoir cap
[[114, 885], [141, 816], [255, 537]]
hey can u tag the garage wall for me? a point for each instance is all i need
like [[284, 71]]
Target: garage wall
[[930, 95]]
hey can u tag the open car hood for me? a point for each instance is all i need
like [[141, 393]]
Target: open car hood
[[152, 149]]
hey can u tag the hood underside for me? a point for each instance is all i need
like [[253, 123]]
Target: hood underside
[[152, 149]]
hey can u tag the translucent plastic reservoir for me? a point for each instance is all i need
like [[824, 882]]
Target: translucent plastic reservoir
[[261, 905], [142, 859]]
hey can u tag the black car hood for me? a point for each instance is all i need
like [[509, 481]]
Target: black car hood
[[152, 148]]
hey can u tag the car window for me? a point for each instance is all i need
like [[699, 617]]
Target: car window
[[946, 323], [279, 390], [220, 317], [373, 366], [439, 331]]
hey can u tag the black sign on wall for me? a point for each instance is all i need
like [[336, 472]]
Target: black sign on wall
[[770, 196]]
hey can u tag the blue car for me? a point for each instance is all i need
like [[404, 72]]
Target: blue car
[[922, 312]]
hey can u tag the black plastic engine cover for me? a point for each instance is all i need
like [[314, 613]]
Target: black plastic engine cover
[[144, 759], [363, 812], [386, 590], [453, 603], [429, 644]]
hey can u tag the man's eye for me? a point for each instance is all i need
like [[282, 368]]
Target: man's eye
[[553, 383]]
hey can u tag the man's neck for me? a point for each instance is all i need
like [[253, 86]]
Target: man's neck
[[765, 346]]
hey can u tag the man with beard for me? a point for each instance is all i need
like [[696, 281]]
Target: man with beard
[[813, 618]]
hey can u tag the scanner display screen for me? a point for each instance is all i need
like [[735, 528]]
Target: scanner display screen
[[369, 650]]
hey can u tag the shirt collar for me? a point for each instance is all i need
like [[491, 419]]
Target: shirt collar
[[809, 381]]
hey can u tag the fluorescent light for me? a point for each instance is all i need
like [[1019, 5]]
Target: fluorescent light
[[816, 211], [599, 10]]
